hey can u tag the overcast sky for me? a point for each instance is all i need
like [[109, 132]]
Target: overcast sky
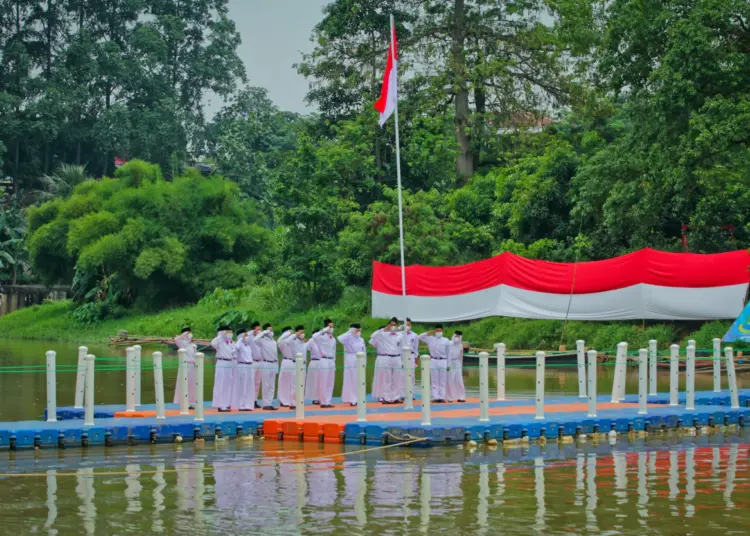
[[274, 34]]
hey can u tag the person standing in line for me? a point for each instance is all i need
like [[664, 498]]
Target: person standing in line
[[257, 361], [270, 365], [455, 386], [438, 346], [184, 341], [243, 391], [327, 345], [312, 379], [287, 373], [353, 343], [388, 343], [223, 343], [299, 346], [412, 341]]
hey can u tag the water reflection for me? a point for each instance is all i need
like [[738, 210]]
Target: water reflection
[[658, 486]]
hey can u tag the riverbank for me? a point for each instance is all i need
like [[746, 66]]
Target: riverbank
[[56, 321]]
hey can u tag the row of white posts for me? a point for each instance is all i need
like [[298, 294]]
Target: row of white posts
[[586, 381]]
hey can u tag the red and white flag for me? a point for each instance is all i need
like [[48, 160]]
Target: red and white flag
[[386, 104]]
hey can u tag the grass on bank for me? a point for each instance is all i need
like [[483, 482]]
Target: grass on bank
[[55, 321]]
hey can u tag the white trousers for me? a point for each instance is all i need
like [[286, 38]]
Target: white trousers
[[438, 372], [381, 377], [269, 382], [223, 383], [190, 382], [286, 383], [455, 386], [349, 391], [243, 392], [327, 379], [312, 380], [258, 368]]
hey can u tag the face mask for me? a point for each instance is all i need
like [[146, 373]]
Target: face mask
[[394, 329], [330, 330], [457, 338], [189, 336], [270, 333], [438, 334], [357, 333], [228, 336], [301, 335]]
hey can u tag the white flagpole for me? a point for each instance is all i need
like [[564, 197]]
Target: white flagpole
[[398, 178]]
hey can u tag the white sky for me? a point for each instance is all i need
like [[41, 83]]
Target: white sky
[[274, 35]]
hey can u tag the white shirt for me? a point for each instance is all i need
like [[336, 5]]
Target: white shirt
[[314, 350], [184, 342], [298, 346], [244, 350], [224, 347], [267, 345], [326, 344], [438, 346], [388, 342], [412, 341], [257, 356], [285, 344], [456, 349], [353, 344]]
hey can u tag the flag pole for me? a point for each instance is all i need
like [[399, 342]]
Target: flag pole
[[398, 179]]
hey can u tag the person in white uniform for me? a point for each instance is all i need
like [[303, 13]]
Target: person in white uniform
[[455, 390], [288, 368], [184, 341], [270, 365], [388, 343], [438, 346], [299, 346], [312, 379], [327, 375], [353, 343], [243, 390], [412, 341], [257, 361], [223, 375]]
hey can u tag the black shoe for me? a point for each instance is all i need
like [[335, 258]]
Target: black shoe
[[269, 408], [191, 407], [353, 404], [316, 402], [257, 406], [246, 410], [224, 410], [283, 405], [381, 400], [462, 401], [292, 407]]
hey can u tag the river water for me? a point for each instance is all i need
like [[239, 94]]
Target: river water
[[669, 484]]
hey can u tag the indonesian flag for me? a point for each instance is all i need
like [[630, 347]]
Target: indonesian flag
[[645, 284], [386, 104]]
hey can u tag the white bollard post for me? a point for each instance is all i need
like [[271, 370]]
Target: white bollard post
[[81, 376], [51, 387], [361, 387], [88, 412], [691, 342], [690, 378], [642, 381], [159, 385], [182, 373], [653, 354], [199, 360], [500, 348], [129, 380], [732, 378], [408, 378], [620, 359], [592, 383], [623, 371], [581, 357], [299, 398], [674, 375], [484, 387], [717, 365], [540, 385], [137, 372], [426, 387]]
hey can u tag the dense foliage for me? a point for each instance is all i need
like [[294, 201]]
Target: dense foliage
[[559, 130]]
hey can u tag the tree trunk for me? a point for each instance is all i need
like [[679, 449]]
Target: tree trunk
[[464, 159], [480, 101], [78, 153]]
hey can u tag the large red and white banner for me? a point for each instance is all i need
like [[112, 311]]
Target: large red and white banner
[[646, 284]]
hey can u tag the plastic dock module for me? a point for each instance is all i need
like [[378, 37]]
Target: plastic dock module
[[386, 424]]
